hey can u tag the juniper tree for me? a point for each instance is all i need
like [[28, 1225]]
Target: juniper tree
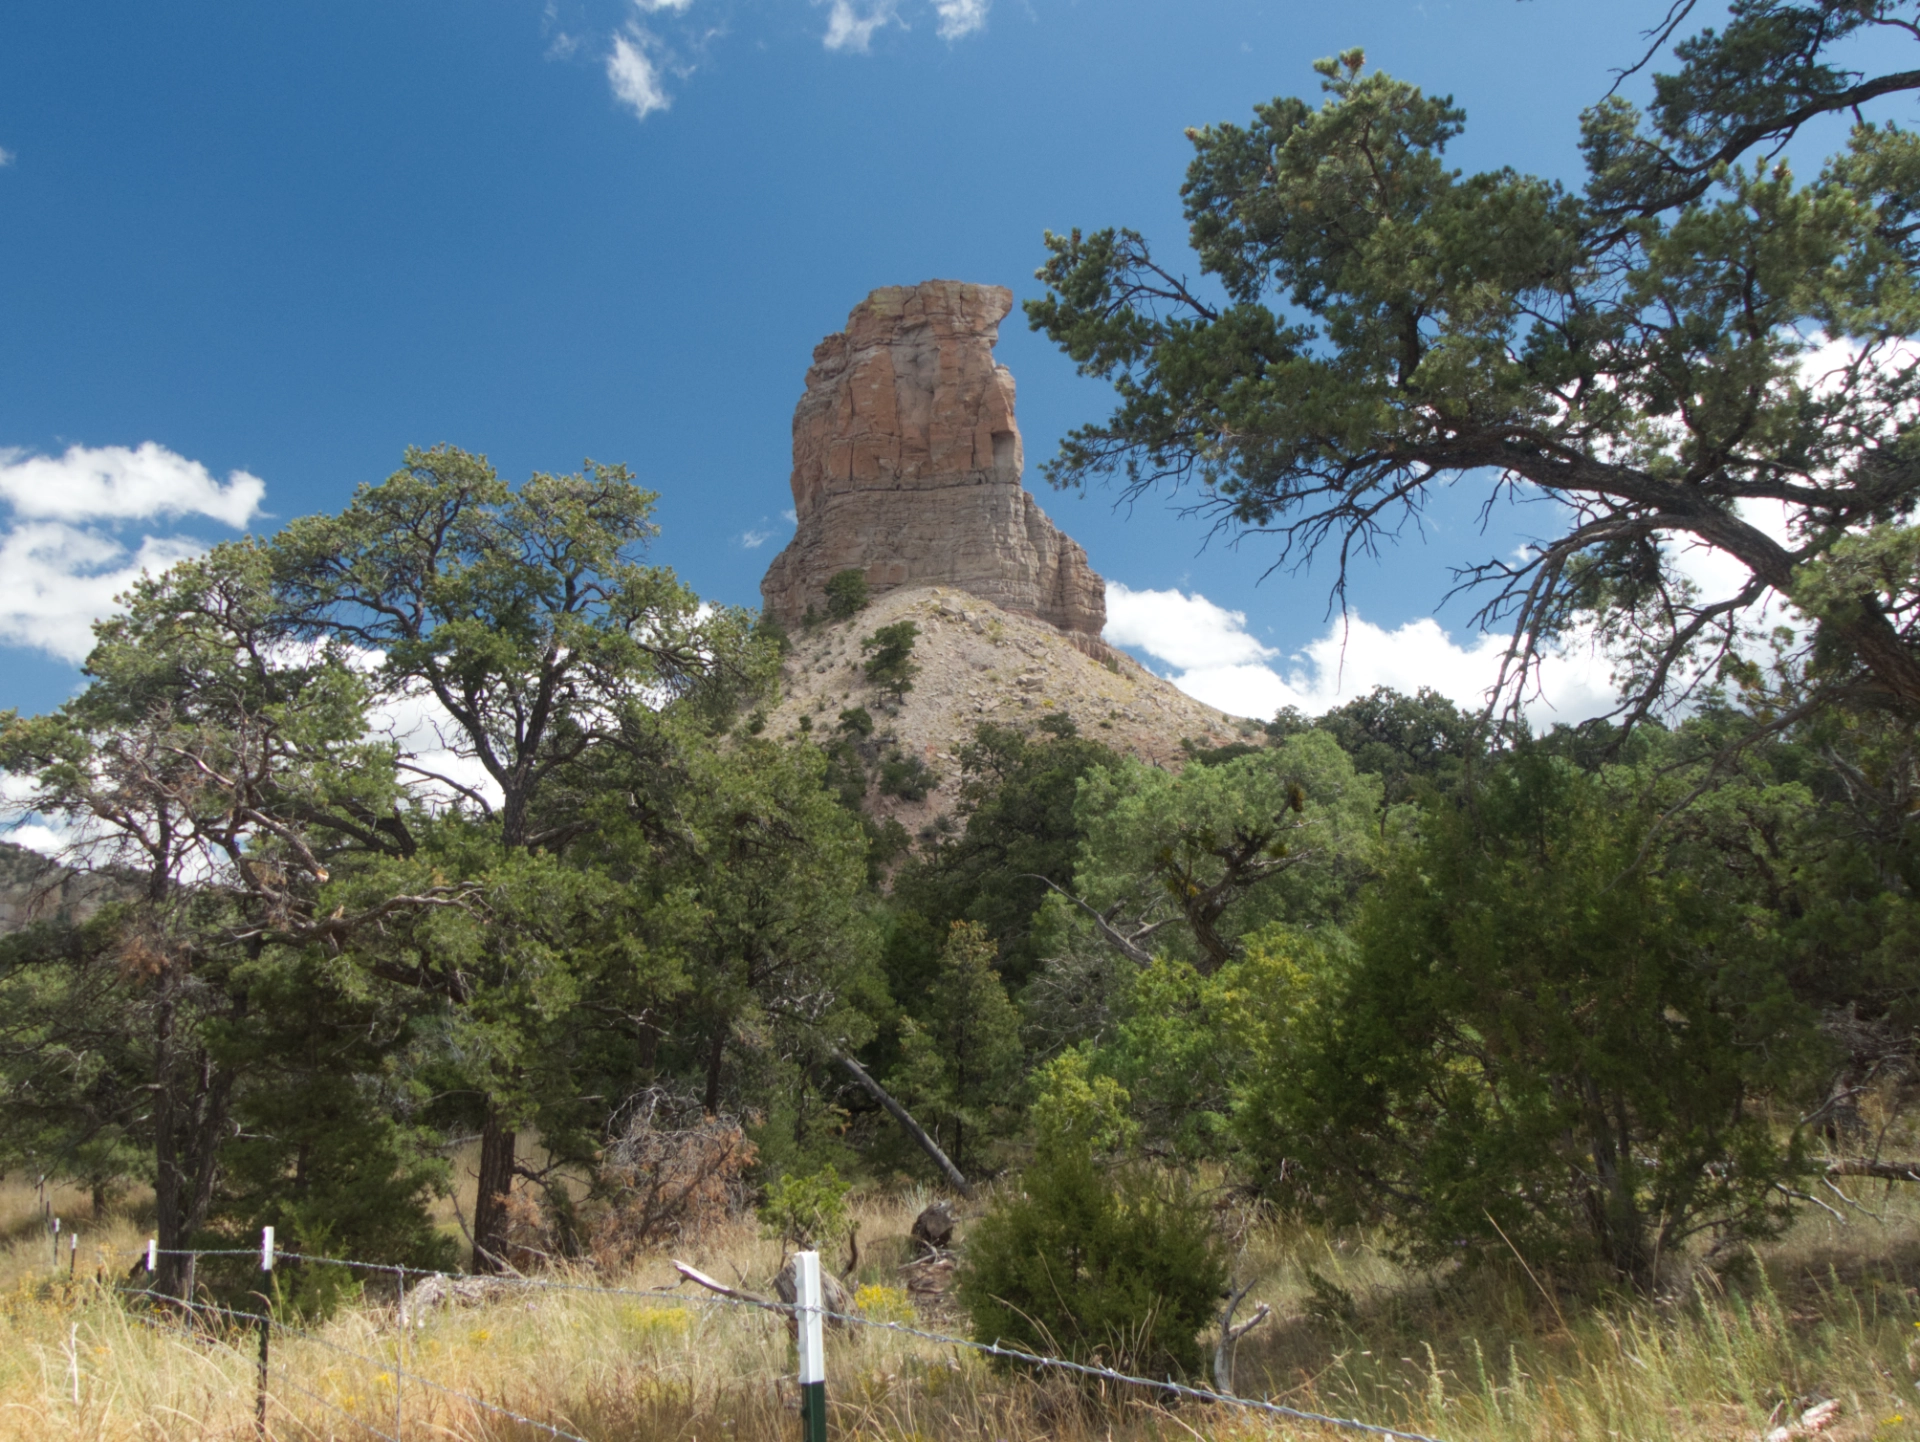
[[524, 619], [1694, 341]]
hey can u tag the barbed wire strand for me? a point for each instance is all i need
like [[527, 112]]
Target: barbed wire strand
[[992, 1349]]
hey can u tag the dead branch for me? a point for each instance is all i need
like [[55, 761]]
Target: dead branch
[[1868, 1167]]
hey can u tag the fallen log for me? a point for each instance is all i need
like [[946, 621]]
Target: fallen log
[[738, 1295], [1869, 1167], [907, 1124]]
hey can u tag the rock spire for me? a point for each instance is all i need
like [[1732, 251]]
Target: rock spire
[[907, 461]]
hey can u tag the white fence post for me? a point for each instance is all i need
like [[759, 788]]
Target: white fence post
[[266, 1332], [813, 1347]]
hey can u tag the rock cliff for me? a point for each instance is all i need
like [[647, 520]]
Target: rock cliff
[[32, 888], [906, 465]]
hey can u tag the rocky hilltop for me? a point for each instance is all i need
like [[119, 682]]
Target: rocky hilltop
[[977, 662], [907, 463]]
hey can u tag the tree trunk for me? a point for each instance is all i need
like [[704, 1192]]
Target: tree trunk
[[188, 1131], [1881, 649], [167, 1278], [490, 1201], [907, 1124], [716, 1054], [1873, 1167]]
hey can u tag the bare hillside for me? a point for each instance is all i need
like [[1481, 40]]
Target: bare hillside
[[980, 663]]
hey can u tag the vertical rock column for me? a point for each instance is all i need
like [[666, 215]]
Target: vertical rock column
[[907, 463]]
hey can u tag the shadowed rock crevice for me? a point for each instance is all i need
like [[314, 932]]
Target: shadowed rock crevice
[[907, 464]]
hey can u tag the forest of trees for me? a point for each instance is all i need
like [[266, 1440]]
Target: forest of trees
[[448, 819]]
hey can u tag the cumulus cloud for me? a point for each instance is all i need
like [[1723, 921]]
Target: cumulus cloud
[[115, 483], [65, 551], [1209, 653], [850, 24], [635, 78], [960, 17], [6, 157], [1189, 633]]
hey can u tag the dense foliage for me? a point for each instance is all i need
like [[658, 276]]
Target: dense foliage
[[447, 819]]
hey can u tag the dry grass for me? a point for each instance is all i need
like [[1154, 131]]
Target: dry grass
[[1831, 1311]]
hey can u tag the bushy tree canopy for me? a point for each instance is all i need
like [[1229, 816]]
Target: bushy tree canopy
[[1696, 347]]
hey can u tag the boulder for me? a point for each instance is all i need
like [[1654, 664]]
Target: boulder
[[933, 1228], [834, 1296]]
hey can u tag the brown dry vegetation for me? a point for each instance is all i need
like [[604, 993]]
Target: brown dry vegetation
[[1831, 1311]]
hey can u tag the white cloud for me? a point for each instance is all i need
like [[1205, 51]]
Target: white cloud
[[754, 540], [1214, 659], [850, 24], [36, 836], [115, 483], [6, 157], [63, 557], [1187, 632], [650, 7], [57, 580], [634, 78], [961, 17], [792, 519], [563, 45]]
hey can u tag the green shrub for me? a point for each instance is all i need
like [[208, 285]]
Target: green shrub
[[1557, 1036], [1119, 1268], [806, 1211], [906, 776], [768, 626], [846, 594], [891, 666]]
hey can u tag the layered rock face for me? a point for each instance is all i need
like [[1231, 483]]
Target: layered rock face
[[907, 461]]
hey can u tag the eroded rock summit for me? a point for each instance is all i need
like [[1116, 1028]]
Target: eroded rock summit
[[907, 462]]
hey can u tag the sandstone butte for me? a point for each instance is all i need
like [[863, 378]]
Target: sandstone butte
[[906, 466], [907, 463]]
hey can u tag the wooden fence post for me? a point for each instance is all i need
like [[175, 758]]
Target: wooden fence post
[[813, 1347]]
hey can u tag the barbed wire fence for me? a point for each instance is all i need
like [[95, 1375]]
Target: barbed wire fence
[[211, 1323]]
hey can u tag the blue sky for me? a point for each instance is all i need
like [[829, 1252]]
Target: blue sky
[[280, 242]]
